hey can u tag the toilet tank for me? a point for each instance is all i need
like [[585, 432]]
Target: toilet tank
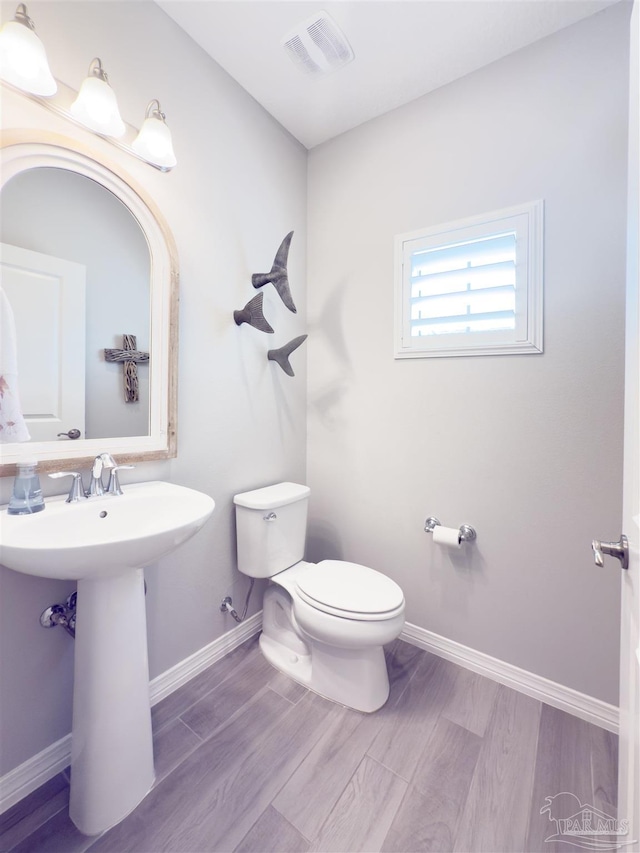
[[271, 526]]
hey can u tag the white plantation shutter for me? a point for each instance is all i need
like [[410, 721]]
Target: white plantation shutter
[[472, 287], [464, 287]]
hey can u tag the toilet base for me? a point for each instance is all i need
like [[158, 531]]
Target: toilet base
[[296, 666], [359, 681], [354, 677]]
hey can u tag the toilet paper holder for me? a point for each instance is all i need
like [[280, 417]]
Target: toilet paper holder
[[466, 532]]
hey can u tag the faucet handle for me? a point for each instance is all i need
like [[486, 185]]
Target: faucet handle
[[76, 492], [113, 487]]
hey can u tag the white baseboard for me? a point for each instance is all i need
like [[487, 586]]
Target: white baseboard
[[165, 684], [557, 695], [37, 770], [25, 778]]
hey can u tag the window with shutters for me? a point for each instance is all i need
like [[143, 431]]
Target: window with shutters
[[472, 287]]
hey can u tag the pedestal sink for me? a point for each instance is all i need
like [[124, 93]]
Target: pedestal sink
[[104, 543]]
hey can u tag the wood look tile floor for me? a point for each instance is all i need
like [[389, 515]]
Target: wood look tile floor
[[251, 762]]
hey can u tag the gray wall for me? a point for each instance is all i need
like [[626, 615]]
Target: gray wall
[[526, 448], [239, 187]]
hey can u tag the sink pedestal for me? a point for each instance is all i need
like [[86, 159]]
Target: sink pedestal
[[111, 748]]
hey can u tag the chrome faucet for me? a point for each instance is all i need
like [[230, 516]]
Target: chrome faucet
[[102, 462]]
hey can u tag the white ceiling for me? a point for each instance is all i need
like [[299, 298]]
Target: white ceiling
[[403, 49]]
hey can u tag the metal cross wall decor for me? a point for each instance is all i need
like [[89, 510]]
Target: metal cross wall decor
[[130, 357]]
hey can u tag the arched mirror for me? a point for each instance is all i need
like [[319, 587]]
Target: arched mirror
[[90, 275]]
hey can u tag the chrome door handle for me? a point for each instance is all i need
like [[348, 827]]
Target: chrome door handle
[[612, 549]]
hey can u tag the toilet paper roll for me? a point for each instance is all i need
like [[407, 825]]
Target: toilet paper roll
[[449, 536]]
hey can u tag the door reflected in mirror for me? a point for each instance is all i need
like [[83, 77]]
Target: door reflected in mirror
[[76, 270]]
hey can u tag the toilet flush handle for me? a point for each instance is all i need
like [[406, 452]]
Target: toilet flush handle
[[271, 517]]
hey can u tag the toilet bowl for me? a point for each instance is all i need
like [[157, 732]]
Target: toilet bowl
[[324, 624]]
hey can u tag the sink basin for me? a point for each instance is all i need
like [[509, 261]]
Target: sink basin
[[104, 543], [104, 535]]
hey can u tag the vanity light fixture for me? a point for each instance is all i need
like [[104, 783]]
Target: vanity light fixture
[[23, 60], [96, 106], [24, 68], [153, 142]]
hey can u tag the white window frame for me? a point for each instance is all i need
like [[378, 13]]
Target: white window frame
[[527, 221]]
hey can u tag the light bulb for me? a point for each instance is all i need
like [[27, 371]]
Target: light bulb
[[23, 60], [153, 143], [96, 106]]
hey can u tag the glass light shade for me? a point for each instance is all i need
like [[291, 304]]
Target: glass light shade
[[23, 61], [154, 144], [96, 107]]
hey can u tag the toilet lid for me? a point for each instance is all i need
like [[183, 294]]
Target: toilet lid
[[335, 586]]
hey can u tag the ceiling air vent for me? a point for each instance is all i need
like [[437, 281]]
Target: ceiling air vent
[[318, 45]]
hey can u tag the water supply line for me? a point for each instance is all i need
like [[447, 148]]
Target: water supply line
[[65, 614], [227, 604]]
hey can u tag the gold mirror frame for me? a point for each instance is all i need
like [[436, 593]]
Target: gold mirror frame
[[28, 149]]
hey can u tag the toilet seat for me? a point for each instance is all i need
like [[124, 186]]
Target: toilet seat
[[349, 590]]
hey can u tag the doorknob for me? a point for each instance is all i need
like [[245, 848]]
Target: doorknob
[[72, 434], [613, 549]]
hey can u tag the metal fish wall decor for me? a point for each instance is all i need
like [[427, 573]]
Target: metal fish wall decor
[[252, 315], [281, 355], [278, 276]]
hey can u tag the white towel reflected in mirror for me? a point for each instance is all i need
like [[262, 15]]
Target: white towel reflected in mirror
[[12, 423]]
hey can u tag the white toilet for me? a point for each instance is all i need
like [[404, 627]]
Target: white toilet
[[324, 624]]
